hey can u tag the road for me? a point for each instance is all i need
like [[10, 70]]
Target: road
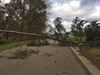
[[51, 60]]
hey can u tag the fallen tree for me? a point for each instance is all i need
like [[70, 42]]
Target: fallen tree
[[25, 33], [20, 33]]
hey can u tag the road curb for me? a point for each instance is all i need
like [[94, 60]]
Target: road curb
[[87, 64]]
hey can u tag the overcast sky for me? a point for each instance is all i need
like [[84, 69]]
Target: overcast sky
[[69, 9]]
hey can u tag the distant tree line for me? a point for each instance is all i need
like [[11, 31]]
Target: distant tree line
[[87, 31], [91, 31]]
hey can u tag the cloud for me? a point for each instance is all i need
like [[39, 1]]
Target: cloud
[[96, 13], [51, 21], [69, 9], [66, 9], [65, 23], [89, 2], [6, 1]]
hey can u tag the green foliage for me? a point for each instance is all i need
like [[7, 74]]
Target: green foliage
[[77, 28], [97, 42], [13, 45], [34, 42], [59, 28], [95, 51], [73, 38], [24, 15], [91, 29]]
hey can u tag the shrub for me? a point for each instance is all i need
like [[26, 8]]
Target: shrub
[[34, 43], [94, 43], [97, 43]]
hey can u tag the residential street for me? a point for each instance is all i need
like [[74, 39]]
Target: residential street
[[51, 60]]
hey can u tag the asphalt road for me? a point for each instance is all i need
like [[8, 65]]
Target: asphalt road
[[51, 60]]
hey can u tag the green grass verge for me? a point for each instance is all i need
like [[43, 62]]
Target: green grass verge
[[95, 51], [13, 45]]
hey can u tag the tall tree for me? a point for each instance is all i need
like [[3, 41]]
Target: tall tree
[[24, 15], [59, 29], [92, 30], [77, 27], [36, 16]]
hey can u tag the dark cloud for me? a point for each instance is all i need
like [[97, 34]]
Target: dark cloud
[[89, 2]]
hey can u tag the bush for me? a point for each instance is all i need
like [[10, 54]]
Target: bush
[[94, 43], [34, 43], [97, 42]]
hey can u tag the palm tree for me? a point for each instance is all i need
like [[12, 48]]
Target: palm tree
[[77, 28], [92, 30]]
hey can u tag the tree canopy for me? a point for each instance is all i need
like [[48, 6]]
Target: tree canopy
[[24, 15]]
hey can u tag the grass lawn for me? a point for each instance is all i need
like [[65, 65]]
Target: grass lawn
[[13, 45]]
